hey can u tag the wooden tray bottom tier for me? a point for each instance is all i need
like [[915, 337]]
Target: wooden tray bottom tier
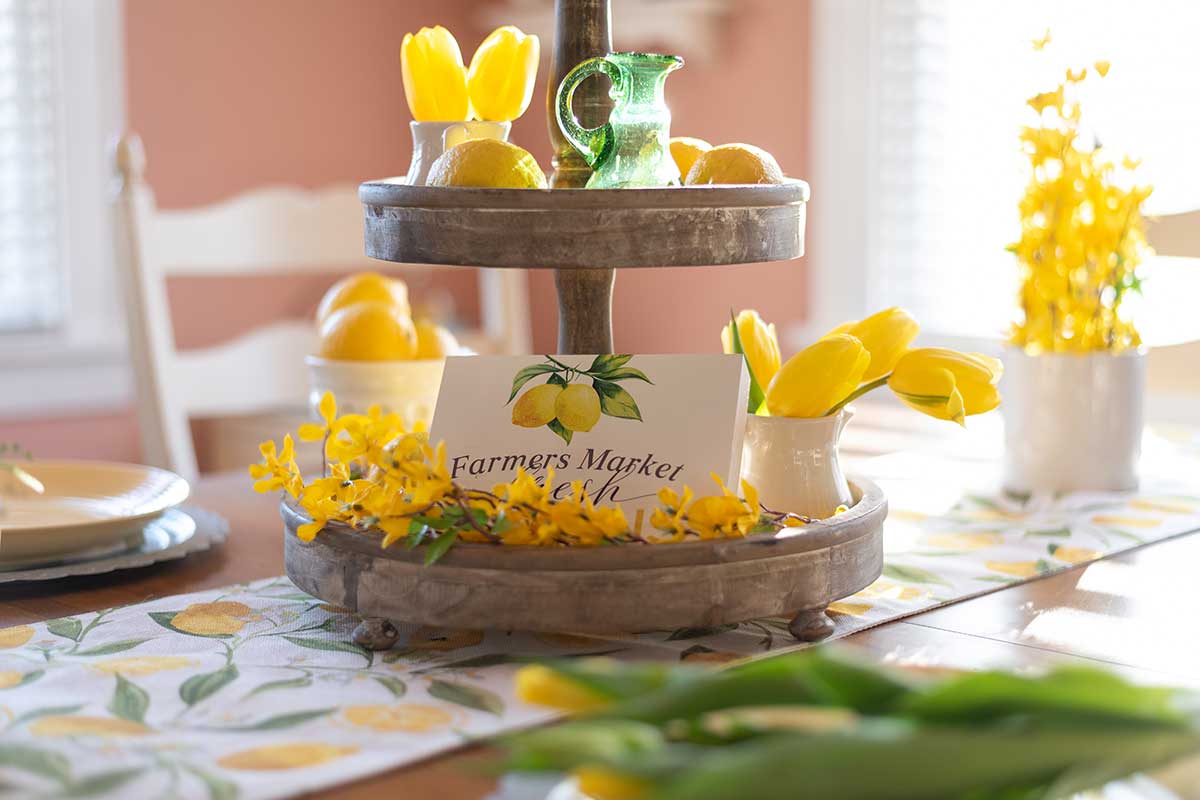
[[741, 580]]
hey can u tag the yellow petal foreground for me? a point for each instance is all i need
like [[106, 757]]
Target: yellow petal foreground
[[886, 335], [818, 378], [604, 784], [759, 342], [502, 73], [435, 80], [285, 756], [947, 384], [545, 687]]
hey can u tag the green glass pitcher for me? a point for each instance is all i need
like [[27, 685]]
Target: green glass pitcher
[[633, 147]]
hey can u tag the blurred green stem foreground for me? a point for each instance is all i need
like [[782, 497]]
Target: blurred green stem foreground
[[824, 724]]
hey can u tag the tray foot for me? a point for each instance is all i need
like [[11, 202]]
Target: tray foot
[[811, 625], [375, 633]]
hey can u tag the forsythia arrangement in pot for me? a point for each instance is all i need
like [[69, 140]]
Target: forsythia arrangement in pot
[[799, 407], [1075, 416]]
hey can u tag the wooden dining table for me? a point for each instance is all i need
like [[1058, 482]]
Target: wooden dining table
[[1131, 612]]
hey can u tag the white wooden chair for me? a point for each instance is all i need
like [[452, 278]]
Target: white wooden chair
[[273, 230], [1173, 370]]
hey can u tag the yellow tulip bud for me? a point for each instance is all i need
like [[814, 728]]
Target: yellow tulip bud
[[886, 336], [601, 783], [435, 80], [758, 341], [947, 384], [818, 378], [546, 687], [503, 70]]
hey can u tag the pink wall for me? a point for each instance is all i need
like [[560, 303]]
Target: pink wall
[[229, 95]]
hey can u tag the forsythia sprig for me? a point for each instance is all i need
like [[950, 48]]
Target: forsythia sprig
[[1082, 232], [383, 477]]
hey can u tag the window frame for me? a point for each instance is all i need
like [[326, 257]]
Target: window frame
[[82, 364]]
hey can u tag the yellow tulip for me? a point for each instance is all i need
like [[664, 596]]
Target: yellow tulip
[[947, 384], [435, 80], [818, 378], [503, 70], [759, 342], [546, 687], [886, 336]]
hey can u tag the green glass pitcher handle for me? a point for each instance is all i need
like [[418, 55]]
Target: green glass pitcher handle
[[594, 144]]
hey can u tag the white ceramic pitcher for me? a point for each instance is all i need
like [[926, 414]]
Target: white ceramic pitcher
[[431, 139]]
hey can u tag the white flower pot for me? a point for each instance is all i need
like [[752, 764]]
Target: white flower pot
[[1072, 422], [793, 463], [431, 139]]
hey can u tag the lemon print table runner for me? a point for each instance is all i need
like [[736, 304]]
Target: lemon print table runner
[[255, 691]]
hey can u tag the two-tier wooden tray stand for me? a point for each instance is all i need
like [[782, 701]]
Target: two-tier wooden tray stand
[[584, 236]]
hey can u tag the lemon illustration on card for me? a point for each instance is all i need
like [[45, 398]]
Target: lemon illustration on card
[[573, 397]]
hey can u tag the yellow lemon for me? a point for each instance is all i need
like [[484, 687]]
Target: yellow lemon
[[427, 638], [734, 163], [11, 679], [15, 636], [434, 341], [1075, 555], [536, 407], [209, 619], [368, 332], [87, 726], [962, 541], [365, 287], [143, 665], [1019, 569], [488, 163], [410, 717], [685, 150], [578, 407], [285, 756]]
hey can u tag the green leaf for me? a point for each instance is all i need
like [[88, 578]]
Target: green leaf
[[50, 711], [218, 788], [101, 782], [46, 763], [286, 683], [129, 701], [558, 428], [527, 374], [332, 645], [616, 402], [625, 374], [757, 395], [558, 380], [997, 578], [201, 687], [66, 627], [397, 687], [112, 647], [463, 694], [164, 618], [609, 362], [439, 547], [1049, 532], [901, 572], [696, 633], [281, 721]]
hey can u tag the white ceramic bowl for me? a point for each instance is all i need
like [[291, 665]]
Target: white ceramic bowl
[[409, 388]]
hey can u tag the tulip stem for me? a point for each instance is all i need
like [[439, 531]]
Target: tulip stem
[[857, 393]]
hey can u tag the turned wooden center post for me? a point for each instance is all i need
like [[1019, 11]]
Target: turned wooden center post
[[582, 30]]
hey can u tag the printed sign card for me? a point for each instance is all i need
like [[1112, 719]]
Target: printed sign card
[[624, 425]]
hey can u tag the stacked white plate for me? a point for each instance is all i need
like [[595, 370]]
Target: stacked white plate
[[89, 510]]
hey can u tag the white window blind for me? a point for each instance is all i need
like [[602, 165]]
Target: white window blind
[[950, 79], [32, 292]]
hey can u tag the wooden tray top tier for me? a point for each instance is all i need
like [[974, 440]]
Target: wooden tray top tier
[[689, 226], [629, 588]]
